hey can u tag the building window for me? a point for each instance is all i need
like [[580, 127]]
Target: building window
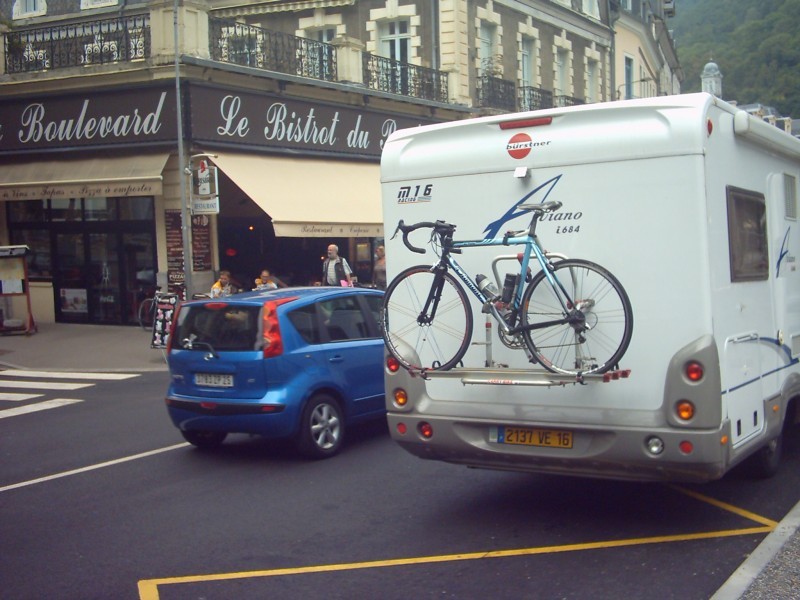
[[562, 72], [592, 80], [628, 78], [88, 4], [527, 61], [25, 9], [395, 39], [747, 235], [487, 53]]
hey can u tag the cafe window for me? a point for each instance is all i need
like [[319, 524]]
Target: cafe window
[[100, 209], [39, 259], [65, 210], [27, 211], [136, 208]]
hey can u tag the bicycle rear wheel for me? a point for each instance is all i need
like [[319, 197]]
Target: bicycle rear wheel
[[603, 328], [438, 344], [146, 313]]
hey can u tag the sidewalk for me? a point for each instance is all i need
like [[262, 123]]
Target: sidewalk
[[68, 347], [771, 572]]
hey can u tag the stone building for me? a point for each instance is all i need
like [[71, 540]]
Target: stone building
[[250, 134]]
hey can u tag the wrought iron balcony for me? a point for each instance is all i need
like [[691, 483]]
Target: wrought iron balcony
[[397, 77], [533, 98], [252, 46], [568, 101], [99, 42], [494, 92]]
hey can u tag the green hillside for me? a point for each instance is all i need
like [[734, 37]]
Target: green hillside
[[756, 44]]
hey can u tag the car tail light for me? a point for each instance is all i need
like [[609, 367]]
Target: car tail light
[[273, 344], [172, 326]]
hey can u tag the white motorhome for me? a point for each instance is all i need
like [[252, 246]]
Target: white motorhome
[[692, 204]]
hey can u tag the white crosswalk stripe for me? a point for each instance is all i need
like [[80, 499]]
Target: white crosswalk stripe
[[62, 375], [38, 406], [43, 385], [12, 397], [35, 380]]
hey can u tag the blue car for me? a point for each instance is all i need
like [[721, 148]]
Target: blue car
[[298, 363]]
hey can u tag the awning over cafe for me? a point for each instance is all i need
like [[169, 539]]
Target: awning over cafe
[[310, 197], [132, 175]]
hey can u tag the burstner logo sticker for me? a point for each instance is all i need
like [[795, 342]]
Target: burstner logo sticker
[[520, 145]]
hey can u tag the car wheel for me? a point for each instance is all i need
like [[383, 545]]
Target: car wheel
[[321, 428], [204, 439]]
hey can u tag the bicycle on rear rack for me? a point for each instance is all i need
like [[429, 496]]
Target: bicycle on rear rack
[[573, 317]]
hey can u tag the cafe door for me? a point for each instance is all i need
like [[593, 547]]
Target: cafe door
[[101, 277]]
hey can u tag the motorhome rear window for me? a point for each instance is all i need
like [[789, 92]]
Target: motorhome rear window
[[747, 235]]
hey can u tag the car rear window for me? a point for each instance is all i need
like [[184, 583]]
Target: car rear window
[[219, 325]]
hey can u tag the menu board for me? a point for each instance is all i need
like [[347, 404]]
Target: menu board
[[162, 323], [175, 276]]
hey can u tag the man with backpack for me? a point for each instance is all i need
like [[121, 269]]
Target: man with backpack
[[335, 269]]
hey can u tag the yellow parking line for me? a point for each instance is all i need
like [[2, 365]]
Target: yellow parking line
[[727, 507], [148, 588]]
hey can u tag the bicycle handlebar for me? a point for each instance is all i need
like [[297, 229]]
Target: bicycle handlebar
[[439, 227]]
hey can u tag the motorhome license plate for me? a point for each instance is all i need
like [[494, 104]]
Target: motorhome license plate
[[213, 379], [526, 436]]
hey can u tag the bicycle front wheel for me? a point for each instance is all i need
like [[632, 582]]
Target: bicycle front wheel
[[146, 313], [602, 319], [438, 333]]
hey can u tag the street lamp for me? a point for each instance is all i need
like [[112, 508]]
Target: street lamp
[[630, 83], [186, 225]]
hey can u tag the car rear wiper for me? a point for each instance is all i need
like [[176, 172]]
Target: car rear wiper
[[190, 342]]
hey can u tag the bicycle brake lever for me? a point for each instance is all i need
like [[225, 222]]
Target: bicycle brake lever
[[400, 224]]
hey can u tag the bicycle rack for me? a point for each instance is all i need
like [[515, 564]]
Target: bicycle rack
[[524, 377]]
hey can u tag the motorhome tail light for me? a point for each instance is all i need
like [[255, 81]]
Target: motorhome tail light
[[709, 126], [400, 397], [273, 344], [694, 371], [425, 430], [654, 445], [686, 447], [522, 123], [684, 410], [392, 364], [401, 428]]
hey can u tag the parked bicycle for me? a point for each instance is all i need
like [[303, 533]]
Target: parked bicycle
[[148, 308], [573, 317]]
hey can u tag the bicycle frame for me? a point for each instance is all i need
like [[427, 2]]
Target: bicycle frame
[[531, 247]]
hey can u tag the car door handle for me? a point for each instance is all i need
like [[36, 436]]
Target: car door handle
[[336, 359]]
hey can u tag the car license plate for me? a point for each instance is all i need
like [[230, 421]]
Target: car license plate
[[526, 436], [213, 379]]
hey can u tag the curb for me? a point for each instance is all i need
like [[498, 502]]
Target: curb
[[738, 583]]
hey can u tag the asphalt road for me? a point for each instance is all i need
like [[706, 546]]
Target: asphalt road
[[101, 499]]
